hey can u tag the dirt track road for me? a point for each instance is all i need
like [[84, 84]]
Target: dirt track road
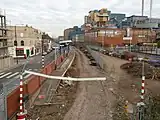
[[123, 82], [94, 100]]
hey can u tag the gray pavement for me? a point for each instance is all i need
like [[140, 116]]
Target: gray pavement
[[11, 77]]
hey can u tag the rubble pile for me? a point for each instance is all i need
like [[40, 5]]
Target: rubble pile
[[135, 68]]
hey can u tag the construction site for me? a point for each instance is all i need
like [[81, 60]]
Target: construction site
[[108, 69], [117, 97]]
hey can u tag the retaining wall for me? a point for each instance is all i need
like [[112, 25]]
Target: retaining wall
[[97, 57], [31, 85]]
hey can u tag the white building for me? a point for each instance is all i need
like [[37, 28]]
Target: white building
[[26, 41]]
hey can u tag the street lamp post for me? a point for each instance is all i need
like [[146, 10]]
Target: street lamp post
[[61, 49], [55, 52], [141, 104], [16, 43], [42, 53], [55, 56], [67, 49]]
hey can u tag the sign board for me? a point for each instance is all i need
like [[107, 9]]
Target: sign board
[[127, 38], [65, 41]]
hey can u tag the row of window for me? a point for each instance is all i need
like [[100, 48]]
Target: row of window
[[22, 43]]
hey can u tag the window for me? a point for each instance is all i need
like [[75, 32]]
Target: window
[[19, 52], [22, 43], [125, 33], [15, 43]]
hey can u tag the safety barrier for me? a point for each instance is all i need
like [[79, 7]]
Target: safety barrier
[[32, 84]]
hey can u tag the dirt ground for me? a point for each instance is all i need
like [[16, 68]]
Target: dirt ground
[[94, 100], [123, 82], [128, 86]]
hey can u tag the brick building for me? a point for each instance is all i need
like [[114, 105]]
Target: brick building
[[115, 36], [66, 33]]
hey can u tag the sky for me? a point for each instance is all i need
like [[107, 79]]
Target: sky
[[53, 16]]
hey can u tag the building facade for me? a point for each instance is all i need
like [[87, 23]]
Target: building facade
[[98, 18], [6, 61], [136, 22], [116, 19], [66, 33], [3, 37], [60, 37], [76, 31], [115, 36], [26, 41]]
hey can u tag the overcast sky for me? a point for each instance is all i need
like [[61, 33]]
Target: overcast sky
[[54, 16]]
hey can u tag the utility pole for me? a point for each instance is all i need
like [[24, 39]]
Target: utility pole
[[16, 43], [151, 3], [42, 52], [150, 10], [141, 105], [103, 40], [142, 7], [55, 56], [104, 37]]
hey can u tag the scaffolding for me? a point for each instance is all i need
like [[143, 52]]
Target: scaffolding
[[3, 35]]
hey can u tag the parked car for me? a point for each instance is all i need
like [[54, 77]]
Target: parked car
[[128, 55], [155, 63]]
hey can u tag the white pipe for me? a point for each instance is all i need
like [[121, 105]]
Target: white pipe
[[64, 78], [55, 59]]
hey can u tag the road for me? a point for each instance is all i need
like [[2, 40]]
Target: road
[[34, 64]]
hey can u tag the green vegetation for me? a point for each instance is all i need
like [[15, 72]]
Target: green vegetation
[[153, 109]]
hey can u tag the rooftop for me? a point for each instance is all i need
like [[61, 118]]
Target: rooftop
[[117, 14], [137, 16]]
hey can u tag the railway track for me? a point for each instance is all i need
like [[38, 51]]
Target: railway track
[[98, 72], [37, 110]]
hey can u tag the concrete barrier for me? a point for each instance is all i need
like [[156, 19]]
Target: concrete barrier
[[98, 59]]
